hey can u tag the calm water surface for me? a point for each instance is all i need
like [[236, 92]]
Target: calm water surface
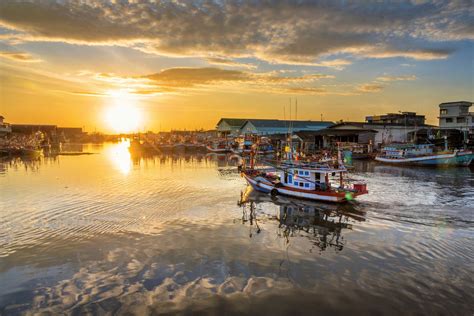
[[109, 233]]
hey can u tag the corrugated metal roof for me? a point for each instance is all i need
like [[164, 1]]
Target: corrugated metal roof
[[286, 123], [235, 122]]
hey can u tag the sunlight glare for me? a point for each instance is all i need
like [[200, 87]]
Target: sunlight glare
[[120, 156], [123, 115]]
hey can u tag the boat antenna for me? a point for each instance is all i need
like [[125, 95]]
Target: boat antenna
[[296, 111]]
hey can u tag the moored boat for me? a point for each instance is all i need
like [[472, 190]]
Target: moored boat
[[142, 147], [424, 155], [220, 146], [259, 145], [29, 152], [313, 181]]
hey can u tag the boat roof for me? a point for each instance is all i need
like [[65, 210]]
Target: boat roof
[[403, 146], [312, 167]]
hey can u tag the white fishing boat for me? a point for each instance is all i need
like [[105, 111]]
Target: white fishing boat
[[313, 181], [424, 155]]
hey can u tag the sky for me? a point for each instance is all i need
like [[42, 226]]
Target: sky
[[160, 65]]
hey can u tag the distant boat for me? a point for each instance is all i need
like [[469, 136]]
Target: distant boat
[[195, 148], [423, 155], [31, 152], [246, 146], [219, 147], [165, 148], [139, 147], [179, 148]]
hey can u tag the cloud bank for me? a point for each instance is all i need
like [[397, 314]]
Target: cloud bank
[[303, 32], [19, 56]]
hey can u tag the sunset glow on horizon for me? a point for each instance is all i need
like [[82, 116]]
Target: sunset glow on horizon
[[185, 65]]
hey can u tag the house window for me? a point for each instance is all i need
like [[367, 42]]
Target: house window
[[306, 185], [301, 184], [449, 120], [301, 172], [443, 111], [306, 173], [461, 120], [296, 183], [290, 179]]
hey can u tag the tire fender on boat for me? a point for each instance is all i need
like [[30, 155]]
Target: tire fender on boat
[[274, 192]]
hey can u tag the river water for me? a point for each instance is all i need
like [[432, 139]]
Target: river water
[[108, 233]]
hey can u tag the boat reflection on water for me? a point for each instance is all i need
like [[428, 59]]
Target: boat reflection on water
[[323, 224]]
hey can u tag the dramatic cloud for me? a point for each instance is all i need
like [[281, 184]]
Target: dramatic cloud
[[219, 61], [338, 64], [178, 80], [370, 87], [186, 77], [396, 78], [303, 32], [19, 56], [306, 91], [419, 54], [380, 83]]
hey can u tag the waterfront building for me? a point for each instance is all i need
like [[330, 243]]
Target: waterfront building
[[328, 138], [403, 118], [456, 115], [70, 133], [33, 128], [271, 127], [5, 128], [386, 133], [229, 126]]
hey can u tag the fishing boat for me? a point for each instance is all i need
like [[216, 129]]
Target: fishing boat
[[261, 146], [313, 181], [138, 146], [179, 148], [219, 147], [31, 152], [195, 148], [244, 146], [424, 155], [264, 147]]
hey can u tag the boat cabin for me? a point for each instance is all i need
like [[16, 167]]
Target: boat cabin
[[317, 177], [407, 150]]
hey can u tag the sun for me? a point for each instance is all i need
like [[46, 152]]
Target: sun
[[123, 115]]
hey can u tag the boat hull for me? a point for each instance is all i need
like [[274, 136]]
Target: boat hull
[[218, 150], [325, 196], [454, 159], [31, 153]]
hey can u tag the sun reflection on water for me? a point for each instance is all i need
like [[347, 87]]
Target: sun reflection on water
[[120, 156]]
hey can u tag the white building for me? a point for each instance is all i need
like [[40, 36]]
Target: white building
[[229, 126], [456, 115], [5, 128], [385, 133]]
